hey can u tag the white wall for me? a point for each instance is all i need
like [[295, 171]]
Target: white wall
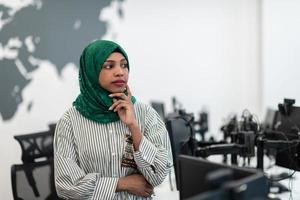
[[281, 51], [205, 52]]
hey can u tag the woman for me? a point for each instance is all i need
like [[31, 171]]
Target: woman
[[108, 145]]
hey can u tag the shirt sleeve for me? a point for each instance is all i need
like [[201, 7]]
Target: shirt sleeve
[[154, 157], [71, 181]]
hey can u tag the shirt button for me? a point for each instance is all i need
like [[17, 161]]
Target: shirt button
[[110, 131], [113, 154]]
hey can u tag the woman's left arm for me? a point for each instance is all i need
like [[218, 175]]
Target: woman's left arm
[[154, 157], [152, 147]]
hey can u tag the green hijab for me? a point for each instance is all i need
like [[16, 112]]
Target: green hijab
[[93, 101]]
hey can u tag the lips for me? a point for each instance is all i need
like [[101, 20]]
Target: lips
[[118, 83]]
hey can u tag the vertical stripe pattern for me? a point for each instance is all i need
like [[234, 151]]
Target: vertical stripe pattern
[[88, 155]]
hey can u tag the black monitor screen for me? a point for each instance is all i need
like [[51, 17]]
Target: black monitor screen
[[204, 180], [288, 125], [268, 123], [180, 138]]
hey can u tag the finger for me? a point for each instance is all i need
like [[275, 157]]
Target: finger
[[128, 91], [122, 105], [116, 103], [149, 191], [149, 187], [146, 194], [118, 96]]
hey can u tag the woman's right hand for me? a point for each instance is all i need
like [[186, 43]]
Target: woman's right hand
[[135, 184]]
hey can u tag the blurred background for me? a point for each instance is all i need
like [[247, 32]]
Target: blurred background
[[221, 56]]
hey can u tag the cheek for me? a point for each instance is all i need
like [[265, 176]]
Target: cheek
[[102, 78], [126, 75]]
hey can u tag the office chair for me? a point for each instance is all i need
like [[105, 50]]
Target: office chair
[[52, 127], [39, 186], [34, 179], [181, 139], [36, 145]]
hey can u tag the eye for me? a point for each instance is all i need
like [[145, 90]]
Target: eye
[[124, 65], [107, 66]]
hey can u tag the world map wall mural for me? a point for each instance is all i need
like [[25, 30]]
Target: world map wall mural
[[55, 31]]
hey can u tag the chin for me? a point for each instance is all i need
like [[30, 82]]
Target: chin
[[117, 90]]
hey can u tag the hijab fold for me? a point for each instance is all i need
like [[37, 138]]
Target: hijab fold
[[93, 101]]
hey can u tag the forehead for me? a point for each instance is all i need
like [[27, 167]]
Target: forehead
[[115, 56]]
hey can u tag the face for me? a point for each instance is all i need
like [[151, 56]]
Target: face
[[114, 73]]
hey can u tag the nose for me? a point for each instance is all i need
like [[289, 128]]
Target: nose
[[119, 71]]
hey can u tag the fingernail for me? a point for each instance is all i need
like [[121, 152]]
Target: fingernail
[[110, 95], [109, 108]]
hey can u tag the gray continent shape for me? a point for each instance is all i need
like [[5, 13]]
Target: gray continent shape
[[59, 42]]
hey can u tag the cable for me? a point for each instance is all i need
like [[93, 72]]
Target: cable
[[283, 178]]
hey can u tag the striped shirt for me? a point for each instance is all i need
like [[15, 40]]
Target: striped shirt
[[88, 155]]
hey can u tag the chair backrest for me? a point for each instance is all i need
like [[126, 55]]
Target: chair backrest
[[52, 127], [39, 185], [181, 140], [36, 145]]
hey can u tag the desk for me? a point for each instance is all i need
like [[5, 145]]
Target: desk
[[163, 191]]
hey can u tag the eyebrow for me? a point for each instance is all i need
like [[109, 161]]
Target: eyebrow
[[123, 59]]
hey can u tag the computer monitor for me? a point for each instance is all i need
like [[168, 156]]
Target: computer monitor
[[288, 127], [159, 107], [269, 120], [204, 180], [180, 137]]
